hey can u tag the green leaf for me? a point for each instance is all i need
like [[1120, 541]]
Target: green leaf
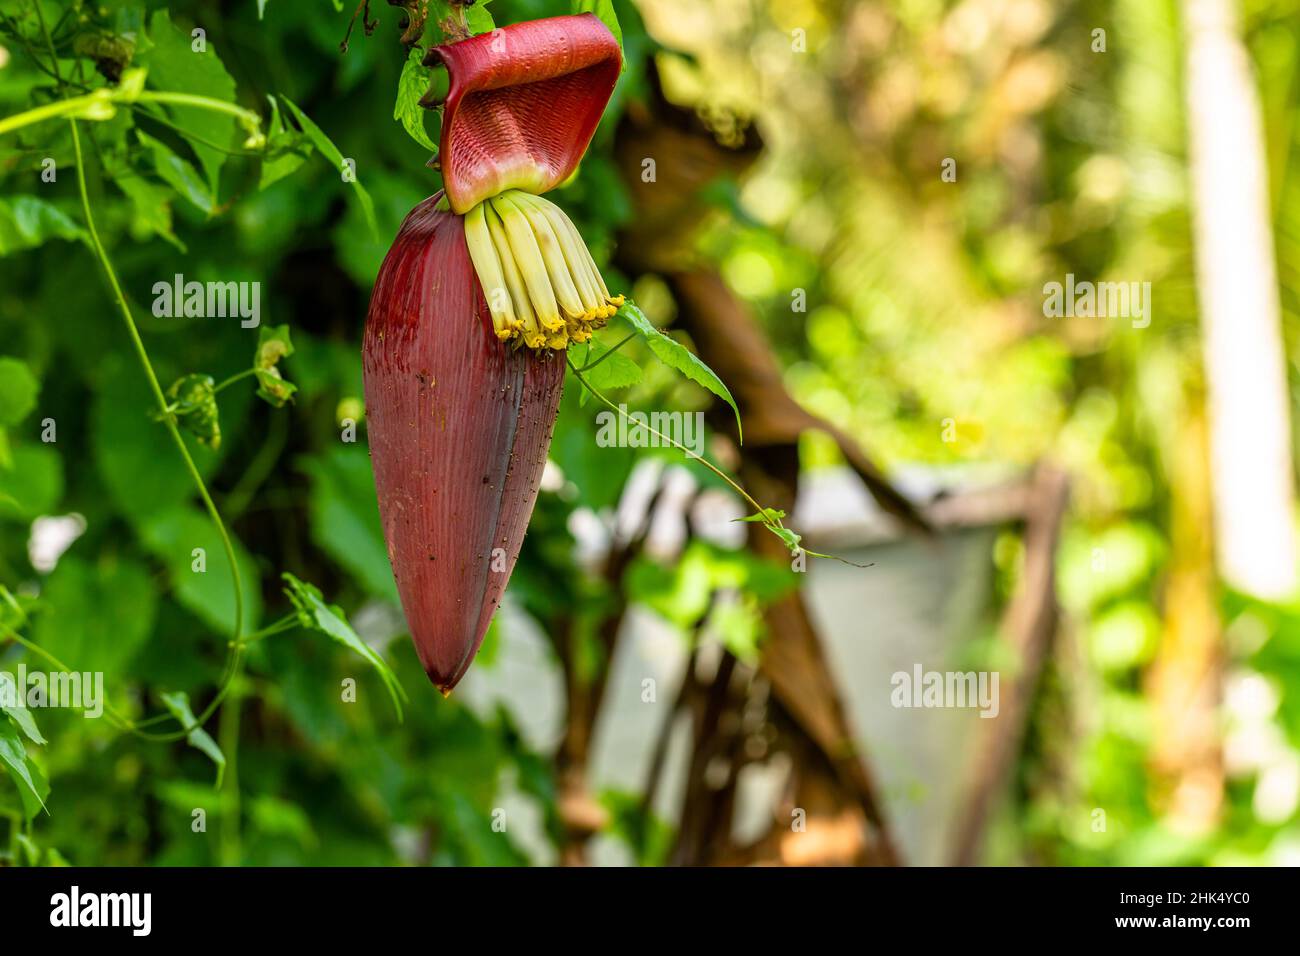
[[173, 535], [11, 703], [134, 455], [273, 344], [314, 614], [681, 593], [604, 10], [96, 616], [179, 173], [412, 85], [31, 783], [174, 66], [178, 704], [787, 536], [478, 19], [34, 485], [286, 149], [609, 369], [18, 389], [14, 609], [274, 817], [27, 222], [345, 516], [676, 356], [194, 403], [273, 388], [151, 207], [331, 152]]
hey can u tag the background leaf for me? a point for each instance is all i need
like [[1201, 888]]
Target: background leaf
[[328, 619], [172, 535], [96, 616], [31, 783], [413, 84], [174, 66], [335, 157], [27, 222], [178, 704]]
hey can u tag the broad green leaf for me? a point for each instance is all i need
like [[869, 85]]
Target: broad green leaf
[[314, 614], [33, 485], [96, 616], [32, 787], [274, 817], [178, 173], [332, 153], [135, 457], [609, 369], [413, 84], [27, 222], [345, 516], [173, 535], [11, 703], [18, 390], [178, 704], [675, 355], [174, 66], [151, 206]]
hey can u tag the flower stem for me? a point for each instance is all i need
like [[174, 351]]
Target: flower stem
[[238, 376]]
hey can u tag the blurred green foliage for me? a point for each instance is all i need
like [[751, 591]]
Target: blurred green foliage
[[923, 308]]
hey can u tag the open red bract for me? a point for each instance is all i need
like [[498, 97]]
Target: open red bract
[[522, 105]]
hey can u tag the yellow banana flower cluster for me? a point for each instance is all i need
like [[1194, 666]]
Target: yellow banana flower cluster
[[540, 282]]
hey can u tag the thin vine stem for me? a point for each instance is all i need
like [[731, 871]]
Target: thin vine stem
[[122, 721], [237, 377], [654, 431], [235, 656], [590, 365], [99, 104], [769, 519]]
